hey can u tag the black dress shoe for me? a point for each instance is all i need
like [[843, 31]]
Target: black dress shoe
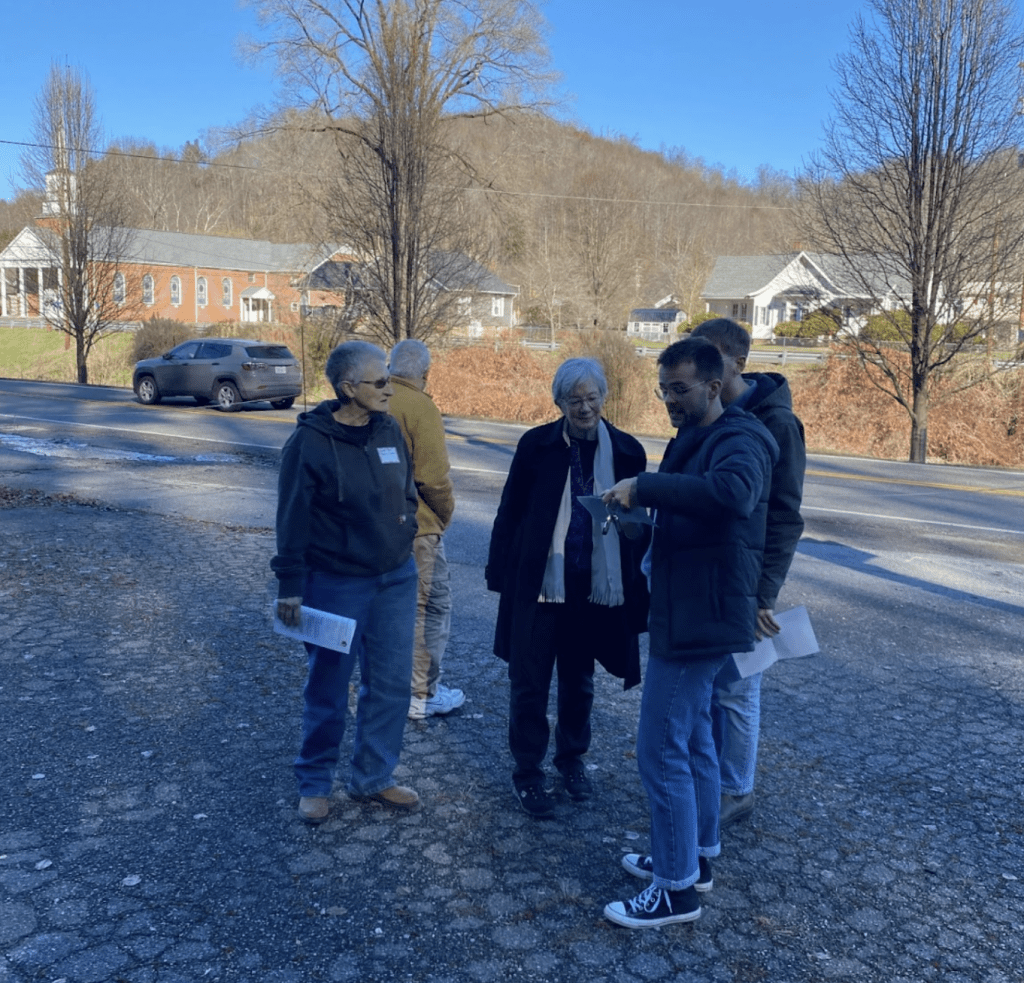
[[535, 801]]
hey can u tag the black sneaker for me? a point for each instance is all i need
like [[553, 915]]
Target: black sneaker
[[639, 865], [705, 882], [577, 785], [535, 801], [654, 907], [642, 866]]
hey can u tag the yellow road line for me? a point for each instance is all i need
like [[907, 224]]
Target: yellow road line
[[975, 489], [814, 472]]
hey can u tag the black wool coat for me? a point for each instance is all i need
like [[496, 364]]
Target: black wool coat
[[521, 540]]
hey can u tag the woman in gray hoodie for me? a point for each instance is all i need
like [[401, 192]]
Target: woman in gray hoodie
[[346, 519]]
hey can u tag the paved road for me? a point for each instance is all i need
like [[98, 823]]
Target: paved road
[[149, 718]]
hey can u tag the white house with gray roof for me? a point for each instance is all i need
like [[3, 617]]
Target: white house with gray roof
[[763, 291]]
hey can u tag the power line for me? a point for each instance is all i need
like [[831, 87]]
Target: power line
[[125, 153], [628, 201]]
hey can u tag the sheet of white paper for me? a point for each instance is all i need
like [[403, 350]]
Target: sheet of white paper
[[329, 631], [761, 658], [797, 636], [795, 640]]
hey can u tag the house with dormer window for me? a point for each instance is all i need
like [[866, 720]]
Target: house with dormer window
[[764, 291]]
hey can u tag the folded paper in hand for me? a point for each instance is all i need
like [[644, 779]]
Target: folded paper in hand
[[796, 639], [329, 631]]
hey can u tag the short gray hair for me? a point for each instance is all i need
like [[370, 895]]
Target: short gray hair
[[345, 363], [410, 359], [572, 372]]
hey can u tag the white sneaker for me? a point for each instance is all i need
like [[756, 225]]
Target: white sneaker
[[443, 701]]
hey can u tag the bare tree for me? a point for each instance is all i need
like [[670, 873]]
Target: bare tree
[[387, 79], [88, 292], [918, 187]]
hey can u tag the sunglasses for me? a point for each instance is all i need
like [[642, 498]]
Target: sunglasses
[[376, 383]]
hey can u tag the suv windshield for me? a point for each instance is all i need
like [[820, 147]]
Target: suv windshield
[[268, 351]]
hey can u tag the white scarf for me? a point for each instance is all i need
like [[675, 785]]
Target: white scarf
[[605, 562]]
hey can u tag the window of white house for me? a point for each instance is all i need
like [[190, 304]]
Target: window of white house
[[176, 290], [118, 288], [497, 307], [147, 289], [225, 292], [201, 291], [743, 312], [464, 306], [735, 310]]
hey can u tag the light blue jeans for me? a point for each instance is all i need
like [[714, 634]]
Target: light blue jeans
[[679, 767], [736, 720], [384, 608]]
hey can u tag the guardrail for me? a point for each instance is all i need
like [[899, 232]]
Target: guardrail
[[782, 356]]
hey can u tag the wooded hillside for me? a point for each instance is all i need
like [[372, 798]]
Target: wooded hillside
[[587, 227]]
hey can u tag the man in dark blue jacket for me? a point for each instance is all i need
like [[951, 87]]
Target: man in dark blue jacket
[[710, 498], [736, 701]]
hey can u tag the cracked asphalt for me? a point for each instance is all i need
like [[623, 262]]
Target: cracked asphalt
[[148, 831]]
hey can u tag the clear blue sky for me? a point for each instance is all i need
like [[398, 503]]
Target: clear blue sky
[[737, 83]]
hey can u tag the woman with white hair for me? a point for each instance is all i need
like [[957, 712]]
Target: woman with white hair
[[346, 518], [570, 593]]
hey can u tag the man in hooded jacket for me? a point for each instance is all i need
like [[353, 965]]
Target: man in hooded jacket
[[735, 700]]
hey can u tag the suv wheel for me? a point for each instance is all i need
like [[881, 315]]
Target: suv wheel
[[283, 404], [225, 395], [147, 391]]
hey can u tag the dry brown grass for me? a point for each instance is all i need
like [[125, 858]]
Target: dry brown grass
[[502, 382], [843, 412]]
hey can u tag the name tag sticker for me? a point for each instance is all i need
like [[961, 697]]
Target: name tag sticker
[[388, 455]]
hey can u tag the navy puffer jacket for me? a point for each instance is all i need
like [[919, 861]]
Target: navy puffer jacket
[[711, 496]]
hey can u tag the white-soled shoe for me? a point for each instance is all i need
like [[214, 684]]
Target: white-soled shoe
[[654, 907], [442, 702]]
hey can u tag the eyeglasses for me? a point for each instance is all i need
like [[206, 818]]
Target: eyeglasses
[[676, 391], [376, 383], [577, 401]]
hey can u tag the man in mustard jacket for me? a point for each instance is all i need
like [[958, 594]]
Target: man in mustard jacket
[[423, 430]]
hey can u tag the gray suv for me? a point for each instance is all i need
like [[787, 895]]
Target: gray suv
[[225, 371]]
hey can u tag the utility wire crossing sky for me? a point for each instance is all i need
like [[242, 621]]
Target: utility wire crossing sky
[[739, 84]]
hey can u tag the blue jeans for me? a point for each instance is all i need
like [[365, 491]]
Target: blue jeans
[[679, 767], [735, 720], [384, 608]]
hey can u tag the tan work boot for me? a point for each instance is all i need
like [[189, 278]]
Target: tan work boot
[[397, 797]]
